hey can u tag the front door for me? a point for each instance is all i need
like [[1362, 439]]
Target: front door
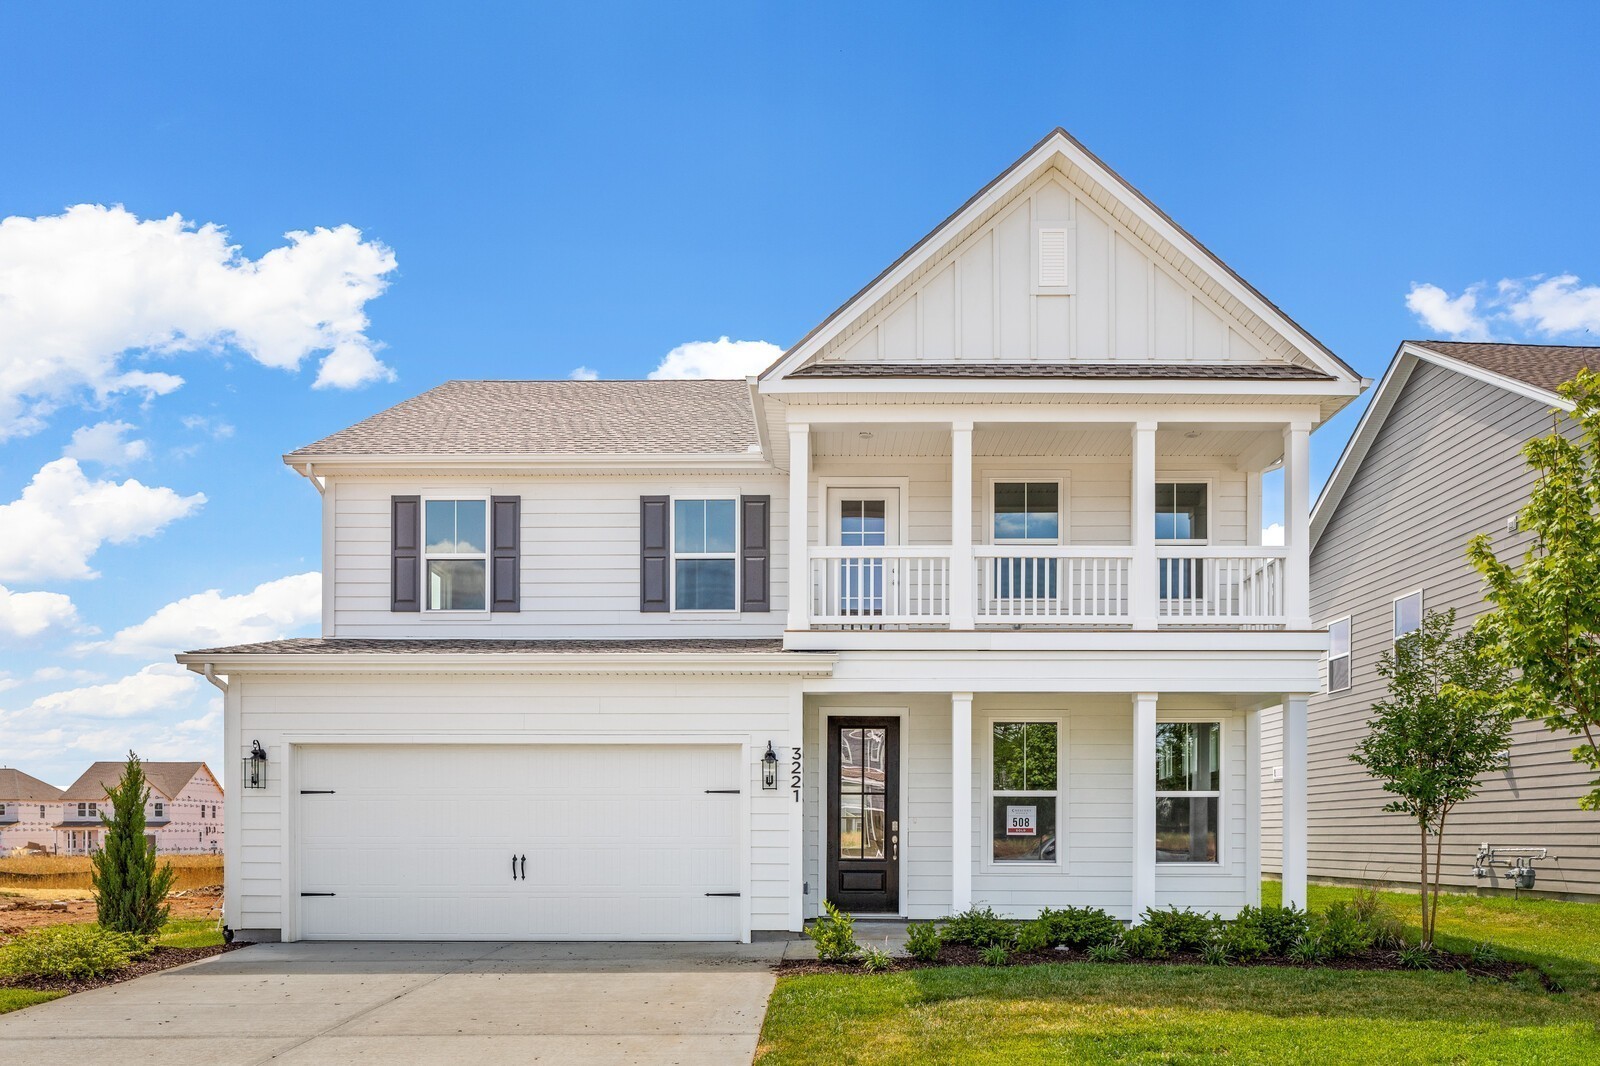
[[864, 814]]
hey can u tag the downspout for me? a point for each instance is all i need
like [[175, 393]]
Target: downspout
[[320, 484], [214, 679]]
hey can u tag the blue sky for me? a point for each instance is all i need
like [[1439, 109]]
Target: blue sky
[[594, 185]]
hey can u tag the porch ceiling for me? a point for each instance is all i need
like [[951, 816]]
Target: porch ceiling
[[866, 440]]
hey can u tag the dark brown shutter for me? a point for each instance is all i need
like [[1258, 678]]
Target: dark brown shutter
[[655, 540], [405, 553], [755, 553], [505, 553]]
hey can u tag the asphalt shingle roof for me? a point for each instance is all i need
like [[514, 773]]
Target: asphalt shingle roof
[[678, 417], [16, 785], [1142, 371], [473, 646], [1543, 366], [166, 778]]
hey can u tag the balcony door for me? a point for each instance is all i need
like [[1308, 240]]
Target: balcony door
[[863, 519]]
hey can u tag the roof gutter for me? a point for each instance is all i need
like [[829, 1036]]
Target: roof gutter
[[787, 664], [307, 471]]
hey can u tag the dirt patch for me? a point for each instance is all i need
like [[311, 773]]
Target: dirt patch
[[19, 914], [158, 960]]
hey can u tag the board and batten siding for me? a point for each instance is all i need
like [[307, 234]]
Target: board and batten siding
[[579, 553], [1445, 465]]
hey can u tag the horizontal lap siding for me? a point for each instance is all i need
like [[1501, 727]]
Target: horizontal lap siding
[[1446, 465]]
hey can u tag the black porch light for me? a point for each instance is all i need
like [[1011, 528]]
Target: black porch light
[[769, 770], [255, 767]]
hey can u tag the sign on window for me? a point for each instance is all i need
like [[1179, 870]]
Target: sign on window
[[1022, 821]]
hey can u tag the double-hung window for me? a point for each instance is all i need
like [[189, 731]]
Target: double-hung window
[[705, 560], [160, 809], [1339, 655], [455, 557], [1181, 518], [1407, 614], [1188, 791], [1025, 791], [1026, 512]]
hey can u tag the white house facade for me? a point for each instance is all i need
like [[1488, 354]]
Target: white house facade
[[963, 601], [184, 815]]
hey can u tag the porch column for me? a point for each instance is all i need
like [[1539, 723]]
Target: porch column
[[1294, 801], [960, 801], [962, 576], [1144, 801], [1297, 523], [1142, 583], [799, 512]]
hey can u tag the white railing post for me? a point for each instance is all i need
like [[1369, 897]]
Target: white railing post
[[1143, 587], [962, 575], [1297, 523], [799, 512]]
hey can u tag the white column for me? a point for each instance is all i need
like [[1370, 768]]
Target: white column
[[960, 801], [1144, 802], [1297, 523], [1252, 518], [1294, 801], [799, 512], [962, 576], [1142, 584], [1252, 807]]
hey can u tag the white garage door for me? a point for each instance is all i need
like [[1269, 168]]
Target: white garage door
[[609, 841]]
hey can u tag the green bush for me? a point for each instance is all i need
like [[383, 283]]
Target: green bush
[[1342, 932], [1485, 954], [875, 960], [979, 927], [1145, 942], [1416, 957], [1080, 928], [835, 936], [72, 952], [1243, 941], [1216, 953], [1308, 950], [1034, 936], [1181, 931], [923, 941], [1280, 927], [995, 955], [1111, 951]]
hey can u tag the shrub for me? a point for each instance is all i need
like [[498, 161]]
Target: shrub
[[1416, 957], [129, 890], [995, 955], [979, 927], [1181, 931], [72, 952], [1243, 941], [835, 936], [875, 960], [1485, 954], [1145, 942], [1080, 928], [1342, 933], [1034, 936], [1216, 953], [1111, 951], [1280, 927], [1308, 950], [923, 941], [1386, 931]]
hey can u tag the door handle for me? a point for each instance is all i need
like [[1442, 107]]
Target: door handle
[[524, 867], [513, 866]]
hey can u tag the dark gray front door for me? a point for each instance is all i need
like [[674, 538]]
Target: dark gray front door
[[864, 814]]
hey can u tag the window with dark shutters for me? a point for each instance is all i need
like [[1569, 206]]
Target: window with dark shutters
[[405, 553], [505, 553], [655, 547], [755, 553]]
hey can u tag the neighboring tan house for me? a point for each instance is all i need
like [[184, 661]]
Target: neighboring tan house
[[185, 813], [29, 811], [1435, 459], [963, 601]]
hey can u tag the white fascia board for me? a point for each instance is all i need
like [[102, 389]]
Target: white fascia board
[[731, 462], [1105, 414], [1067, 386], [768, 664], [1478, 373], [1051, 642]]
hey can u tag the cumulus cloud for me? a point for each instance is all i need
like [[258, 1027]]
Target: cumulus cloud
[[209, 619], [216, 428], [1273, 534], [721, 358], [27, 614], [156, 687], [1549, 307], [62, 518], [106, 443], [81, 290], [583, 373]]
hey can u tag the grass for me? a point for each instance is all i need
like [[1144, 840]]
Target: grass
[[16, 998], [73, 871], [1082, 1012], [190, 933]]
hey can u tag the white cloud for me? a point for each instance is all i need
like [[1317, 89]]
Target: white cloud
[[721, 358], [157, 686], [215, 427], [27, 614], [62, 518], [1273, 534], [106, 443], [209, 619], [1559, 306], [583, 373], [81, 290]]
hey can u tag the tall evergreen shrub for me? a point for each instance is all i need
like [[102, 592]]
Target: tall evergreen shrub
[[130, 892]]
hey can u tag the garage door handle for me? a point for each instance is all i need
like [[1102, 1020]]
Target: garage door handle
[[316, 893], [722, 791], [513, 866], [524, 867], [724, 893]]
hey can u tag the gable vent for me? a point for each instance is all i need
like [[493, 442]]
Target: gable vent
[[1054, 244]]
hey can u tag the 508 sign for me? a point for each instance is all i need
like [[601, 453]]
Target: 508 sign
[[794, 773]]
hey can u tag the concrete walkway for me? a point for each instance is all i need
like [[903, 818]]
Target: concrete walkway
[[417, 1004]]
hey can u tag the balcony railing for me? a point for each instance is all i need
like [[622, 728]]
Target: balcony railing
[[1221, 586], [880, 586], [1051, 585]]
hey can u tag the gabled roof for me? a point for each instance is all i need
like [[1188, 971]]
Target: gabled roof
[[1058, 145], [556, 418], [166, 779], [16, 785], [1529, 370]]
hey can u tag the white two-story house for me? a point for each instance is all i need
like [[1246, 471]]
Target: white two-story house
[[184, 814], [962, 601]]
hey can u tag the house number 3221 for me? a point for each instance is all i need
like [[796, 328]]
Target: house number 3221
[[794, 773]]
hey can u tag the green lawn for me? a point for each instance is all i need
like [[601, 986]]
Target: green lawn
[[190, 933], [1084, 1013], [16, 998]]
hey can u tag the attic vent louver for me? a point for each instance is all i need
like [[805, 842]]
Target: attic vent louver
[[1054, 247]]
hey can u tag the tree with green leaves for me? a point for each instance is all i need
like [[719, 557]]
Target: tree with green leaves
[[1444, 724], [130, 892], [1546, 613]]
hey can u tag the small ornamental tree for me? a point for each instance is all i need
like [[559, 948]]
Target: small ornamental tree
[[1444, 724], [1546, 616], [129, 891]]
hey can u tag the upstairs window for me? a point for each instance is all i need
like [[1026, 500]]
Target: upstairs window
[[160, 809], [455, 559], [1407, 614], [1027, 512], [704, 555], [88, 810], [1339, 655]]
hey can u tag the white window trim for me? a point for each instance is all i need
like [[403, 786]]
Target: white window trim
[[1222, 722], [1063, 483], [1180, 478], [1394, 613], [488, 532], [673, 555], [986, 825], [827, 484], [1348, 655]]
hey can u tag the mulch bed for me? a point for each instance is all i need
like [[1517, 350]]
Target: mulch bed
[[158, 960], [967, 955]]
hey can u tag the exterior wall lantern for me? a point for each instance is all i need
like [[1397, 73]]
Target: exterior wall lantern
[[255, 767], [769, 770]]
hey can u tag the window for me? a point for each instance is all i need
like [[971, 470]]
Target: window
[[1024, 790], [1339, 655], [704, 551], [455, 560], [1188, 791], [1181, 519], [1407, 614], [2, 809], [160, 809], [1028, 511], [41, 810], [88, 810]]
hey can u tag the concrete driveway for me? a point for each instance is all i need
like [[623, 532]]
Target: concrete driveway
[[417, 1004]]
